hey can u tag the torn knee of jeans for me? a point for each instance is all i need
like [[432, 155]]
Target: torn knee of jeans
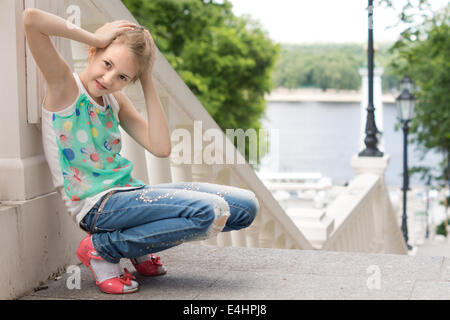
[[221, 214]]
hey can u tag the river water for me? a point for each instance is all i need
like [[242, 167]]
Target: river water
[[323, 137]]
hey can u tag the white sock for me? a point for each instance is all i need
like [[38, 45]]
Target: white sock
[[104, 270], [142, 259]]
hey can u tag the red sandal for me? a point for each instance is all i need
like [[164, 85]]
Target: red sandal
[[114, 285], [151, 267]]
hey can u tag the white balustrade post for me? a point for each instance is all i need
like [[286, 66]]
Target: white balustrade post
[[376, 165], [181, 156], [224, 239], [266, 237], [203, 173], [181, 173], [136, 154], [252, 233], [159, 169], [239, 238], [210, 241]]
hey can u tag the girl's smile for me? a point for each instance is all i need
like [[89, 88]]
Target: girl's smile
[[100, 86]]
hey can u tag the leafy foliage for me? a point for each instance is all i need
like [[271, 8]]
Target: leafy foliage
[[422, 53], [442, 228], [327, 66]]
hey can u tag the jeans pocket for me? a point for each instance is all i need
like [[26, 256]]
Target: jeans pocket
[[100, 229], [85, 223], [90, 220]]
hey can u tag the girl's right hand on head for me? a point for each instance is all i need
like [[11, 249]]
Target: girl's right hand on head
[[110, 30]]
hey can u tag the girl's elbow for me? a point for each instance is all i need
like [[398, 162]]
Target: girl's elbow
[[28, 16], [166, 153], [160, 153]]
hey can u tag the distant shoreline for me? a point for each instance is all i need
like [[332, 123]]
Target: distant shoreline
[[318, 95]]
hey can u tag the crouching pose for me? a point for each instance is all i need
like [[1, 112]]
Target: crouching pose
[[81, 114]]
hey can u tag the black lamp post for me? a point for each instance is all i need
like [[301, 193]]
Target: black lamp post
[[405, 110], [427, 227], [371, 140]]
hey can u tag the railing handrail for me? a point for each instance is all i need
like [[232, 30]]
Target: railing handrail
[[365, 198]]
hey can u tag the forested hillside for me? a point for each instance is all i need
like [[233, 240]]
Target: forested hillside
[[328, 66]]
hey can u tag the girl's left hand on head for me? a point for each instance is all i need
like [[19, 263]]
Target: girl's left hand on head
[[153, 49], [110, 30]]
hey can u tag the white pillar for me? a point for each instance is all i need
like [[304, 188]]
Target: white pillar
[[24, 173], [159, 170], [377, 103], [136, 154], [378, 166], [38, 235], [181, 173], [375, 165], [203, 173], [181, 162]]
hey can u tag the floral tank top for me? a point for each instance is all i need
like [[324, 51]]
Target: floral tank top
[[88, 145]]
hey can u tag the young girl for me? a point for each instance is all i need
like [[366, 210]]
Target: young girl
[[81, 113]]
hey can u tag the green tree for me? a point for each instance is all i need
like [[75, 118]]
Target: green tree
[[226, 61], [422, 52], [426, 61], [326, 66]]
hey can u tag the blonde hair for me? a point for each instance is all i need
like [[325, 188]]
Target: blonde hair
[[141, 45]]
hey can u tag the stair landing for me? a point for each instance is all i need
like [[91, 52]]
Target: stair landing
[[197, 272]]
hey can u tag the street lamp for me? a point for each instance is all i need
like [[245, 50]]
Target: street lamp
[[371, 140], [405, 111], [427, 230]]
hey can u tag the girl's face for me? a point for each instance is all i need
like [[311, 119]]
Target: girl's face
[[109, 70]]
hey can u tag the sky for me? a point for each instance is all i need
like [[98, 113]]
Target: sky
[[306, 21]]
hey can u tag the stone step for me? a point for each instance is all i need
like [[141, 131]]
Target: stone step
[[435, 247], [197, 272]]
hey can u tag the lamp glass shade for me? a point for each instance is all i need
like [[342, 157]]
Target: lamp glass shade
[[405, 106]]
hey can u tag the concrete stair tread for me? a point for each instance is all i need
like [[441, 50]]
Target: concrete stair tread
[[434, 248], [210, 272]]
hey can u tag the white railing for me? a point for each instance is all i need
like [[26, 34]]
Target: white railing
[[364, 219]]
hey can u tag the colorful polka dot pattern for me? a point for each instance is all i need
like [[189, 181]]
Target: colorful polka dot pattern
[[89, 144]]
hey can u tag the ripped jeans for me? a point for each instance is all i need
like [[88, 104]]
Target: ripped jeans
[[130, 224]]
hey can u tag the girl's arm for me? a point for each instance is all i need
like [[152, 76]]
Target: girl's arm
[[158, 131], [153, 134], [39, 25]]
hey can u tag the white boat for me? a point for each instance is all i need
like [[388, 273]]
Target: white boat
[[294, 181], [298, 189]]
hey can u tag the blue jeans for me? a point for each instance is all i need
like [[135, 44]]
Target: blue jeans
[[130, 224]]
